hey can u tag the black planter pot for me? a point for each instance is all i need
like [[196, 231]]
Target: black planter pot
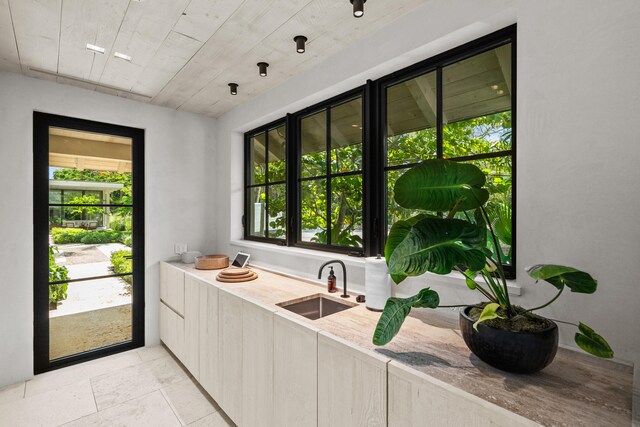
[[521, 352]]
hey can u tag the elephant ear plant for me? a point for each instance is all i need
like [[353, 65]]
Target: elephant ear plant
[[460, 238]]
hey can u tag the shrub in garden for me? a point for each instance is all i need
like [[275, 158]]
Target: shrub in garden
[[102, 236], [122, 264], [57, 273]]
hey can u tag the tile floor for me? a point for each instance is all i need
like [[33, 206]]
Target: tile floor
[[143, 387]]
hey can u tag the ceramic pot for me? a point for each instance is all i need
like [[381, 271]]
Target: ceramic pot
[[520, 352]]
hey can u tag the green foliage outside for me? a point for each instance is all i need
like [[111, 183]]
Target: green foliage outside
[[123, 196], [57, 273], [63, 236], [481, 135], [87, 211], [122, 264], [118, 223]]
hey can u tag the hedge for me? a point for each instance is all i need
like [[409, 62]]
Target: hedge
[[121, 264], [62, 236]]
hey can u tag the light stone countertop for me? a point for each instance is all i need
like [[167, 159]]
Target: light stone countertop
[[575, 390]]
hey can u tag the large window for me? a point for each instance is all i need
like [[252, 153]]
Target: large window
[[330, 180], [266, 192], [460, 111], [337, 190]]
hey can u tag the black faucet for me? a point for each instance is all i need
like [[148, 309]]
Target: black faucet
[[344, 275]]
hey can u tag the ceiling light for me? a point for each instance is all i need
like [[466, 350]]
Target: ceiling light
[[300, 41], [122, 56], [94, 48], [358, 8], [262, 66], [494, 87], [354, 126], [233, 88], [500, 92]]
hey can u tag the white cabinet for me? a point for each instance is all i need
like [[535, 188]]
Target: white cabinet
[[230, 354], [415, 397], [172, 287], [192, 294], [295, 373], [208, 346], [172, 330], [257, 365], [352, 384]]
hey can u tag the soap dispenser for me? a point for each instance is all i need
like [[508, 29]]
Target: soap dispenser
[[331, 281]]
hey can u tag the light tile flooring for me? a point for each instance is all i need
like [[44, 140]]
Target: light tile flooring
[[143, 387]]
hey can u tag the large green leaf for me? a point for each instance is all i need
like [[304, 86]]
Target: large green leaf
[[438, 185], [592, 343], [433, 244], [397, 234], [560, 276], [397, 309]]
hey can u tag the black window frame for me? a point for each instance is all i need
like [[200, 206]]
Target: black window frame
[[327, 105], [266, 184], [374, 166]]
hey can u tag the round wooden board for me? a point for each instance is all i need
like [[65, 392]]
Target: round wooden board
[[253, 276], [235, 271], [228, 276]]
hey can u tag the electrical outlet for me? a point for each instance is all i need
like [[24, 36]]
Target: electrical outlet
[[179, 248]]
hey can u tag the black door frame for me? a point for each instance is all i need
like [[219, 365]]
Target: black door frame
[[41, 124]]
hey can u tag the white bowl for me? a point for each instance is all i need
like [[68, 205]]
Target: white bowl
[[190, 257]]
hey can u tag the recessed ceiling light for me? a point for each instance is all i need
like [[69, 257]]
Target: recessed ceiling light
[[262, 66], [122, 56], [233, 88], [494, 87], [94, 48], [358, 8], [354, 126], [300, 43], [500, 92]]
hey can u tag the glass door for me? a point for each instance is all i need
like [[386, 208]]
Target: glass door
[[88, 214]]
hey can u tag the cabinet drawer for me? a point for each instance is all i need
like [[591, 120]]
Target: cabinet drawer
[[172, 287], [172, 330]]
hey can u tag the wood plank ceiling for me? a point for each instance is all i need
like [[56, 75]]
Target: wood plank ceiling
[[184, 52]]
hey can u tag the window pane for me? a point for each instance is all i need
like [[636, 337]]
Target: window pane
[[411, 120], [277, 211], [277, 154], [394, 211], [256, 211], [499, 206], [314, 145], [55, 196], [477, 104], [346, 137], [313, 210], [257, 159], [346, 211]]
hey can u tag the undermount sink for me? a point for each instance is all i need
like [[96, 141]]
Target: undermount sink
[[316, 306]]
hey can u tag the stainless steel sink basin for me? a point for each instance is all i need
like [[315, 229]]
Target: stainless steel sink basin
[[316, 306]]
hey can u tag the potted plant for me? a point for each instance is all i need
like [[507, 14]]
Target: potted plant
[[455, 233]]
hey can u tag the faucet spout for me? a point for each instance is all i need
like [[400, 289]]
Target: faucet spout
[[344, 275]]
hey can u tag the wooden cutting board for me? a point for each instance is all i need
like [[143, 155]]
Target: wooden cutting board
[[237, 278], [235, 271]]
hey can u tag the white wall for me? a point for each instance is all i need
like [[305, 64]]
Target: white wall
[[578, 149], [176, 194]]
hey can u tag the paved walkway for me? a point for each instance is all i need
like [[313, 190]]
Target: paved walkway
[[93, 294]]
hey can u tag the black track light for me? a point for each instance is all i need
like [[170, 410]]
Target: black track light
[[262, 66], [358, 8], [233, 88], [300, 41]]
